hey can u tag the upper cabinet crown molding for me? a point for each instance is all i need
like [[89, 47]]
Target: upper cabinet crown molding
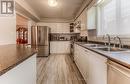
[[87, 4]]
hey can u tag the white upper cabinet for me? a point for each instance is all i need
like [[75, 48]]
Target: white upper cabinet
[[63, 28], [57, 27], [81, 24], [91, 18]]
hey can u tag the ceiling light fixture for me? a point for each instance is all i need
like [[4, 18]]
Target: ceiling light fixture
[[52, 3]]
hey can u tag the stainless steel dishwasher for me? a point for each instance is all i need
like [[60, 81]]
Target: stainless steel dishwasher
[[118, 74]]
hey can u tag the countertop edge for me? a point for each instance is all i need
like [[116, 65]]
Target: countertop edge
[[16, 64], [110, 58]]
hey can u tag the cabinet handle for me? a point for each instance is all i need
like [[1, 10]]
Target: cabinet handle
[[117, 69]]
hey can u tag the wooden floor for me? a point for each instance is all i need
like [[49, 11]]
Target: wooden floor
[[57, 69]]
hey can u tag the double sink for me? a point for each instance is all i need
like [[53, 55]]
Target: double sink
[[105, 48]]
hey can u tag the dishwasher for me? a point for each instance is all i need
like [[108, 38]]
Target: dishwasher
[[118, 74]]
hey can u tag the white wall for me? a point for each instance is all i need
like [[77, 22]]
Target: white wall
[[8, 30], [8, 25], [56, 27], [27, 7], [30, 23]]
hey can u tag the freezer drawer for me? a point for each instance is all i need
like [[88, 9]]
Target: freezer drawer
[[43, 51]]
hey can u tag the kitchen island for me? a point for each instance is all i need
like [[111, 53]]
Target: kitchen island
[[17, 64]]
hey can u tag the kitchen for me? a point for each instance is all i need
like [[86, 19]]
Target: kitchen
[[64, 42]]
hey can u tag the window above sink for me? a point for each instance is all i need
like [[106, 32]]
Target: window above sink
[[110, 17], [114, 17]]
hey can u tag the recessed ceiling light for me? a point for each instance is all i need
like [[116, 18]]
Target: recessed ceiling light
[[52, 3]]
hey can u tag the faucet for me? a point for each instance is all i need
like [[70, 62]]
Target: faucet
[[109, 40], [104, 39], [120, 43]]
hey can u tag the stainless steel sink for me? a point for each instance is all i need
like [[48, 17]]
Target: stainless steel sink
[[104, 48], [94, 45], [111, 49]]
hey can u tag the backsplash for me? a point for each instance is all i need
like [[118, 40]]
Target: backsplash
[[125, 40], [92, 32], [82, 39], [92, 36], [64, 36]]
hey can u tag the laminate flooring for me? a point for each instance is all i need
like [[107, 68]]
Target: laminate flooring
[[57, 69]]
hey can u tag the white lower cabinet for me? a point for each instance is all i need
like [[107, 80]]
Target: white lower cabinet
[[60, 47], [118, 74], [92, 66], [83, 62], [97, 69], [81, 58]]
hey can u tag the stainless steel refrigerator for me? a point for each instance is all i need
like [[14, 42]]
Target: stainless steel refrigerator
[[40, 39]]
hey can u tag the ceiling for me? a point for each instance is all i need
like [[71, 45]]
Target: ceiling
[[66, 9]]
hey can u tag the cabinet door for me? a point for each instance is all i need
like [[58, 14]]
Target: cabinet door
[[81, 60], [75, 51], [91, 65], [97, 69], [118, 74], [77, 56], [84, 63], [91, 18]]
